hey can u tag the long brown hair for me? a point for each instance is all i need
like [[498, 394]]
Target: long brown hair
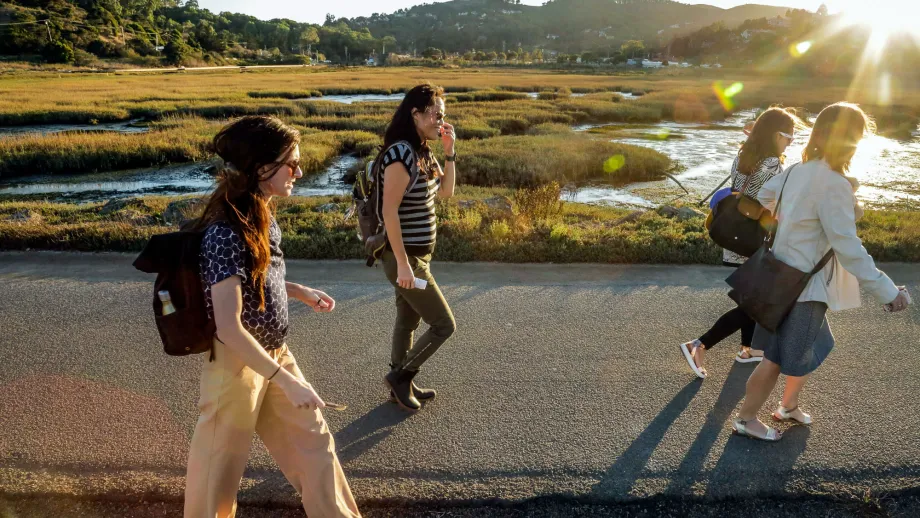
[[761, 144], [402, 125], [250, 148], [836, 135]]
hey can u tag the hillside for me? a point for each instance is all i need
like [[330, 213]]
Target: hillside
[[561, 25], [158, 32]]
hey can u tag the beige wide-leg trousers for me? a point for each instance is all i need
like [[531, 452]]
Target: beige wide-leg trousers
[[235, 402]]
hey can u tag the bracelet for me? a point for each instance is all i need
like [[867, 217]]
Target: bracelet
[[276, 372], [450, 158]]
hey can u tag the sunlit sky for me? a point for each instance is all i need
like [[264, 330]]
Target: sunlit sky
[[314, 11]]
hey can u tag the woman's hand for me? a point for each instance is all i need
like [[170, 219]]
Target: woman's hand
[[316, 299], [899, 303], [404, 277], [748, 128], [300, 393], [448, 138], [319, 301]]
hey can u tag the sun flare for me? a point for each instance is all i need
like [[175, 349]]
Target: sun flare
[[885, 22]]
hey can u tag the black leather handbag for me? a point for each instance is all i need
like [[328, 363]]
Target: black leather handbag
[[767, 288], [740, 223]]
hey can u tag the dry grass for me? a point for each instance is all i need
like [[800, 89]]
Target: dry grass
[[538, 229], [36, 98]]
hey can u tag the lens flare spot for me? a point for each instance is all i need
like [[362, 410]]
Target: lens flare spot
[[614, 164], [726, 93], [884, 90], [734, 90], [799, 49]]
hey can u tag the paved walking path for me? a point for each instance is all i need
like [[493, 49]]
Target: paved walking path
[[562, 381]]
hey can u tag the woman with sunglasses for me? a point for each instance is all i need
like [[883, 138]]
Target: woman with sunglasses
[[760, 159], [411, 227], [253, 383]]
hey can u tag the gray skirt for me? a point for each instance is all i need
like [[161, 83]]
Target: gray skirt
[[802, 341]]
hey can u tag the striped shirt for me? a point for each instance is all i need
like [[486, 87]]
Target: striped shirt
[[416, 211]]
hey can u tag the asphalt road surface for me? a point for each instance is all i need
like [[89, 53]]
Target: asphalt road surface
[[563, 383]]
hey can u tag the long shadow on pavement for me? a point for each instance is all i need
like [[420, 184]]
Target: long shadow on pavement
[[732, 393], [748, 467], [368, 430], [626, 470]]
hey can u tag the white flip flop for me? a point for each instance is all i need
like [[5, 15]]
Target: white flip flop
[[688, 355]]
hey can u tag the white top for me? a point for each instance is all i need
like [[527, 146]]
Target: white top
[[819, 211]]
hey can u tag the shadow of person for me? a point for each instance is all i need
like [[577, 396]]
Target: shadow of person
[[749, 468], [732, 393], [362, 434], [619, 479]]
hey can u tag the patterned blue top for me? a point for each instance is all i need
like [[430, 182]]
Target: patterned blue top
[[224, 254]]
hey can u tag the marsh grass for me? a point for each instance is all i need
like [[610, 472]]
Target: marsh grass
[[537, 230]]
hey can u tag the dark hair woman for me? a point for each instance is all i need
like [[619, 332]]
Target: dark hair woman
[[818, 214], [760, 158], [411, 226], [253, 383]]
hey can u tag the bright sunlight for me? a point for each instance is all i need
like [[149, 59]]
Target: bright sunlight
[[885, 22]]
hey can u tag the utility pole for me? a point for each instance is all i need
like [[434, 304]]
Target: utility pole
[[346, 55], [48, 26], [123, 41]]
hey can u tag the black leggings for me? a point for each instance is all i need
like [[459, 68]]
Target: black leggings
[[727, 325]]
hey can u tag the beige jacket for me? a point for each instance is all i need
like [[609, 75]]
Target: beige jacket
[[819, 211]]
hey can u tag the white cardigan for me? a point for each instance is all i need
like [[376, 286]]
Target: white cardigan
[[819, 211]]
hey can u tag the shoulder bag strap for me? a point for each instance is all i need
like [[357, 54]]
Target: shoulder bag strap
[[771, 237]]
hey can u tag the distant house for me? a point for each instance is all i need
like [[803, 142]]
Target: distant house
[[371, 61], [651, 64], [632, 62], [780, 22], [748, 34], [676, 26], [552, 36]]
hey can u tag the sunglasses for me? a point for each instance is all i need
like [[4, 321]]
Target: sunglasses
[[438, 116], [293, 164], [787, 135]]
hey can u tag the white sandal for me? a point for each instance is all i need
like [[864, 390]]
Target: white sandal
[[750, 359], [739, 426], [784, 414], [688, 355]]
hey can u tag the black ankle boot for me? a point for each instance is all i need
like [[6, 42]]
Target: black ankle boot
[[400, 383], [421, 394]]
